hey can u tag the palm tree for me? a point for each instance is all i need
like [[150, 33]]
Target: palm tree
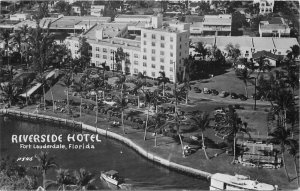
[[10, 90], [200, 48], [122, 105], [17, 38], [49, 84], [83, 179], [163, 80], [285, 102], [158, 122], [120, 56], [149, 98], [45, 163], [120, 83], [68, 82], [233, 51], [281, 137], [41, 78], [64, 179], [294, 151], [186, 77], [5, 36], [294, 52], [142, 76], [245, 76], [136, 90], [201, 121]]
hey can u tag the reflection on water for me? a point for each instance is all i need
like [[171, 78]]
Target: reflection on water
[[108, 154]]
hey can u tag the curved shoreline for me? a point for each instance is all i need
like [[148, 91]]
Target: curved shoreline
[[148, 155]]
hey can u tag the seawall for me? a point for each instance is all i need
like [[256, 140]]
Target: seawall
[[148, 155]]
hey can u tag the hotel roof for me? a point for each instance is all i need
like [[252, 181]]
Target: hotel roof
[[242, 41], [264, 53], [263, 43], [110, 30], [285, 43], [133, 16]]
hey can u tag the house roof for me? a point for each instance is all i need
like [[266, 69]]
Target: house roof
[[263, 43], [193, 18], [204, 40], [264, 53], [285, 43], [242, 41]]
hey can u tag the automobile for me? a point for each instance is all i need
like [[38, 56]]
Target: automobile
[[206, 91], [221, 111], [242, 97], [223, 94], [214, 92], [197, 90], [234, 96]]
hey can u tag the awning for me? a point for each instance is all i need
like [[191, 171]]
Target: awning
[[31, 90]]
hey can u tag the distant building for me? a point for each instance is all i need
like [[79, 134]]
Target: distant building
[[275, 27], [213, 25], [265, 6], [76, 9], [97, 10], [19, 17], [133, 18]]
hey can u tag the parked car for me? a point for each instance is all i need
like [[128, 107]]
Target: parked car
[[234, 96], [223, 94], [206, 91], [214, 92], [197, 90], [242, 97]]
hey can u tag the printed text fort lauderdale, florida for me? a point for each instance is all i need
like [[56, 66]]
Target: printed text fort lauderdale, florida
[[35, 141]]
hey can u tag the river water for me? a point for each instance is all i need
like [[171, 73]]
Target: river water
[[108, 154]]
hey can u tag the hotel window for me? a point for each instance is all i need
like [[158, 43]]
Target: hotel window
[[90, 54], [76, 45], [111, 58], [145, 50], [111, 51], [153, 51], [152, 65], [90, 47], [153, 43], [136, 62], [97, 56], [171, 62], [97, 49], [136, 70], [179, 46], [171, 39], [171, 46], [153, 36], [104, 57], [144, 57], [162, 67], [144, 72], [104, 50], [171, 69], [145, 43], [136, 55], [179, 39], [171, 54], [171, 77], [97, 63], [153, 74], [153, 58], [162, 38], [144, 64], [162, 60], [179, 53], [162, 53], [145, 35], [162, 45]]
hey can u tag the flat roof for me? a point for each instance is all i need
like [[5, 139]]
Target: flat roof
[[71, 21], [204, 40], [217, 19], [110, 30], [242, 41], [285, 43], [273, 26], [264, 43], [123, 16]]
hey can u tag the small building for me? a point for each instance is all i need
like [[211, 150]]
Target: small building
[[275, 27], [76, 9], [213, 25], [19, 17], [265, 6], [97, 10], [269, 57]]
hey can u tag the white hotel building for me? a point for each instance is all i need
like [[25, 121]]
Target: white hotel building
[[157, 48]]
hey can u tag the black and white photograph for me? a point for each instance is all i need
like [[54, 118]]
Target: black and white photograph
[[149, 95]]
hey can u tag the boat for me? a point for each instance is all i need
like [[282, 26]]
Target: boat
[[221, 181], [112, 177]]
